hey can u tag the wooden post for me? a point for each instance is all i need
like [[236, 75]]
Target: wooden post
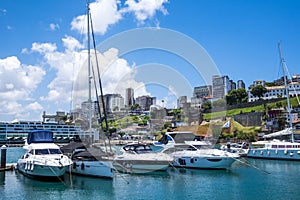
[[3, 157]]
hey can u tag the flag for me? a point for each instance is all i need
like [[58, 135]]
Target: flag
[[226, 125]]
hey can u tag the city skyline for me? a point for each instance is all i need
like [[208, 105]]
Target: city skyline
[[42, 53]]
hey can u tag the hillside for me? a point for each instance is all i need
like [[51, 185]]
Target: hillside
[[214, 129], [260, 108]]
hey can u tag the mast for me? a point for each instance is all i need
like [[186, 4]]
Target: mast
[[286, 91], [89, 68]]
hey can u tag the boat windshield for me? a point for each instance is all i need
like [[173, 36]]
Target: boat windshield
[[138, 148], [143, 149], [47, 151]]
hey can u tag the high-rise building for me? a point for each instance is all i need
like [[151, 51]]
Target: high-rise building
[[129, 97], [232, 85], [220, 86], [112, 102], [145, 102], [202, 91], [240, 84]]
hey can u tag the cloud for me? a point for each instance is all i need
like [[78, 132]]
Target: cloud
[[116, 75], [43, 48], [54, 27], [18, 82], [145, 9], [71, 44], [106, 13]]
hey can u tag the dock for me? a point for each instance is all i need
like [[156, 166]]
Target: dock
[[8, 167]]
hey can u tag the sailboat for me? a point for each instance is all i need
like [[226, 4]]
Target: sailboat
[[88, 160], [279, 149]]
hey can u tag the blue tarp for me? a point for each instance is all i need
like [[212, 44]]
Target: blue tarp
[[40, 136]]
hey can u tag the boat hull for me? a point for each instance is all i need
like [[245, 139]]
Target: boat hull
[[102, 169], [41, 171], [275, 154], [204, 159], [140, 166], [203, 162]]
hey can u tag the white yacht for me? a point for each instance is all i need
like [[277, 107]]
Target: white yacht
[[140, 158], [200, 157], [276, 149], [191, 151], [89, 161], [43, 158]]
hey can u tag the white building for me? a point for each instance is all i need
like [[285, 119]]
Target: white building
[[278, 91]]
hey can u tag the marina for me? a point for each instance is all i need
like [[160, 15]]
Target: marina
[[240, 182]]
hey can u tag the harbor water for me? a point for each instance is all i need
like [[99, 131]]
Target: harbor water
[[262, 179]]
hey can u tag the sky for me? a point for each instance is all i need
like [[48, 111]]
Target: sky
[[161, 48]]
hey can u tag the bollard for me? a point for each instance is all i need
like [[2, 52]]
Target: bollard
[[3, 157]]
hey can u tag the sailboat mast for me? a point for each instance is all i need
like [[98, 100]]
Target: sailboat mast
[[286, 90], [89, 68]]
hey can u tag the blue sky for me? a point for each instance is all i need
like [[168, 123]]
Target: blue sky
[[43, 47]]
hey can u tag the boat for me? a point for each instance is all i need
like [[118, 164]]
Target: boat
[[43, 158], [240, 148], [279, 149], [191, 151], [200, 157], [140, 158], [89, 161]]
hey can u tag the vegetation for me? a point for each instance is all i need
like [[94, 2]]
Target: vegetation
[[260, 108], [237, 96], [258, 91]]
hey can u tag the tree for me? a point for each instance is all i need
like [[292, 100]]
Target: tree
[[206, 106], [231, 97], [136, 107], [237, 96], [258, 91], [241, 95]]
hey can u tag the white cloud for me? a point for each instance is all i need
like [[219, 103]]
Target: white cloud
[[18, 79], [145, 9], [54, 27], [116, 75], [43, 48], [35, 106], [71, 43], [106, 13], [17, 84]]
